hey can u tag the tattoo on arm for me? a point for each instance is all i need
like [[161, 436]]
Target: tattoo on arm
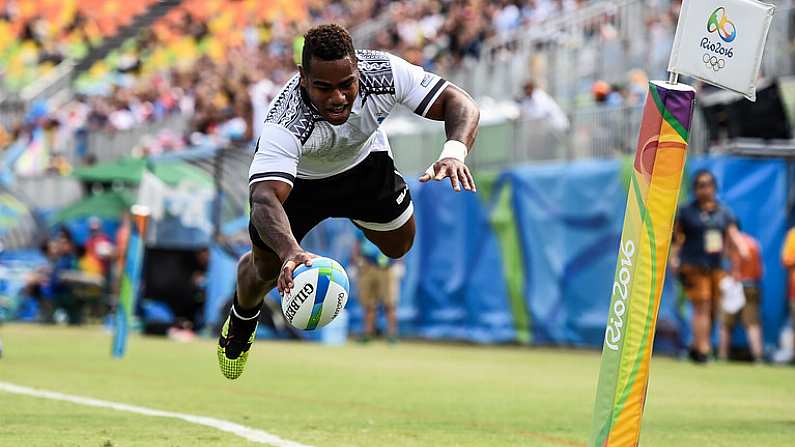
[[459, 113], [270, 220]]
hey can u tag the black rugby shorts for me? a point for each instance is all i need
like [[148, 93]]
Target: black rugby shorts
[[372, 194]]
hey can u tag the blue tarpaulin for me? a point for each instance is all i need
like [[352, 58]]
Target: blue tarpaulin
[[458, 289], [570, 218]]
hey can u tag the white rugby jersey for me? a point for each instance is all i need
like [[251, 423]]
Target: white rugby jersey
[[297, 142]]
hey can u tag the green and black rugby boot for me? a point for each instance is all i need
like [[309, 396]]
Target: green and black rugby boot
[[235, 341]]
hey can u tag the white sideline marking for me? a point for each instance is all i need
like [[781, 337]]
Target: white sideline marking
[[239, 430]]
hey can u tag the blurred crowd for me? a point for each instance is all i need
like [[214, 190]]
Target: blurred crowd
[[440, 34], [83, 273], [37, 35], [75, 275], [218, 64]]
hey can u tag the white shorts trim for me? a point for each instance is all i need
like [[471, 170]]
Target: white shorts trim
[[389, 226], [262, 179]]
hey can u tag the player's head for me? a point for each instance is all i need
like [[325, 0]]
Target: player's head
[[704, 186], [329, 72]]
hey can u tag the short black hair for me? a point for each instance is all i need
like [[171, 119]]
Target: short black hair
[[704, 173], [328, 43]]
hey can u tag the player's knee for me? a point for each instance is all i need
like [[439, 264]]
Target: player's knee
[[266, 271], [398, 249], [263, 270]]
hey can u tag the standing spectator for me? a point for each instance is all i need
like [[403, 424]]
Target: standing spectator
[[48, 286], [703, 229], [99, 249], [544, 122], [537, 105], [601, 92], [788, 259], [377, 285], [747, 271]]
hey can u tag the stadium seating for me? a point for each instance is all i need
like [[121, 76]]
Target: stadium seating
[[35, 36]]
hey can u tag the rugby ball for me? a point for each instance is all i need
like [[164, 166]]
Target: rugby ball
[[319, 294]]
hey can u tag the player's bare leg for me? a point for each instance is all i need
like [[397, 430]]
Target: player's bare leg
[[256, 276], [394, 243]]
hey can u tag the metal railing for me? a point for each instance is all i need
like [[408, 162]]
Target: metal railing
[[55, 88], [598, 132], [56, 84], [47, 191], [112, 145], [364, 34], [12, 111], [601, 41]]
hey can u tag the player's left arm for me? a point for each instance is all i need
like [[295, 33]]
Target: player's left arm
[[430, 96], [461, 117]]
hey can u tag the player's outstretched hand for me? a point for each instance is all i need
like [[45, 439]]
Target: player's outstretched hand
[[285, 280], [453, 168]]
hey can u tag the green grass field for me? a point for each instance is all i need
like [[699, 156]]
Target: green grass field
[[371, 395]]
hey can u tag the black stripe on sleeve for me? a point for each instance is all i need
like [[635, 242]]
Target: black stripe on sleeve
[[429, 96], [283, 175]]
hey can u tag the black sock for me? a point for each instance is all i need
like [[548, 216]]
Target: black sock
[[242, 313]]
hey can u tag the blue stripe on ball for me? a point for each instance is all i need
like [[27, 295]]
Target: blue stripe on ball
[[323, 280]]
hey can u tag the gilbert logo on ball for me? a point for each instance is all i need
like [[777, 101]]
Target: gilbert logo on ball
[[319, 294]]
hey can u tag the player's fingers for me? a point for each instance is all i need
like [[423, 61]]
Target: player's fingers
[[462, 174], [280, 284], [471, 179], [441, 173], [287, 275], [454, 180], [429, 173], [288, 266]]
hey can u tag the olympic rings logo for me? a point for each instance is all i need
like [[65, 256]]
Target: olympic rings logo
[[713, 62]]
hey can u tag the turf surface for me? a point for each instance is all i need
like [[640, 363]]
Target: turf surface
[[371, 395]]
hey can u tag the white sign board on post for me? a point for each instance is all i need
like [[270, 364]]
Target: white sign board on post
[[721, 42]]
